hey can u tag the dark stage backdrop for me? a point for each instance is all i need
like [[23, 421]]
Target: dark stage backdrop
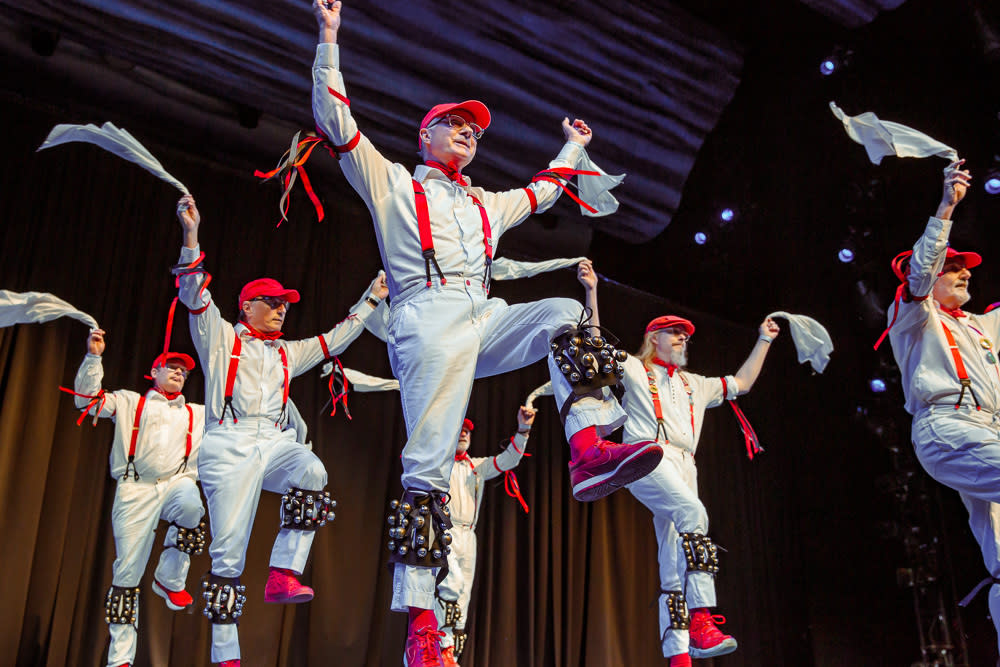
[[567, 584]]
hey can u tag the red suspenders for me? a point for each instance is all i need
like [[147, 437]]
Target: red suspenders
[[661, 424], [234, 364], [963, 375], [427, 241], [135, 438]]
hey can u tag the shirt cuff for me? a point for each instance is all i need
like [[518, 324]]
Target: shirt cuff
[[570, 153], [188, 255], [732, 388], [327, 55]]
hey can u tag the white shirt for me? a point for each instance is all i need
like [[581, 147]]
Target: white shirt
[[919, 344], [387, 189], [706, 392], [163, 426], [260, 379], [468, 481]]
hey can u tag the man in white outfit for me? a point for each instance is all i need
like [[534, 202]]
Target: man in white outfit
[[951, 379], [248, 443], [666, 402], [154, 458], [437, 236], [468, 483]]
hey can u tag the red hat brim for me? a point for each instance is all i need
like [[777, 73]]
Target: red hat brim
[[667, 321], [162, 360], [480, 115]]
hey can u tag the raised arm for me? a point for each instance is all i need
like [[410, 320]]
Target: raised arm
[[90, 376], [588, 278], [929, 250], [510, 457], [190, 219], [328, 18], [750, 370]]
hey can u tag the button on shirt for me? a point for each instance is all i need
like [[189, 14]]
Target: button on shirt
[[387, 189], [638, 403], [259, 387], [926, 364], [163, 428]]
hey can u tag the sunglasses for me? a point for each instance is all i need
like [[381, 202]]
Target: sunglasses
[[273, 302]]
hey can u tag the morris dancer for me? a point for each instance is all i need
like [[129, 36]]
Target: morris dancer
[[437, 236], [665, 402], [468, 483], [154, 458], [950, 375], [248, 445]]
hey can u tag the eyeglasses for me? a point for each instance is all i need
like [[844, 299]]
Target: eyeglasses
[[173, 367], [273, 302], [457, 123]]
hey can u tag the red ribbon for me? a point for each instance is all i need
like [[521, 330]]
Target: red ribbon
[[296, 162], [560, 176], [954, 312], [260, 335], [98, 399], [670, 367], [342, 396], [452, 173]]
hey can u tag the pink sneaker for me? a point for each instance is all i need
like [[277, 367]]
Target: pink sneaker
[[448, 657], [283, 587], [707, 641], [598, 467], [423, 648], [176, 600], [682, 660]]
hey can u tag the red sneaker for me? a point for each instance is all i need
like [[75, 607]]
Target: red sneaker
[[230, 663], [423, 648], [682, 660], [283, 587], [176, 600], [599, 468], [448, 657], [707, 641]]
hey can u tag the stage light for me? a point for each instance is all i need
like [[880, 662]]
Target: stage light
[[846, 255], [877, 385], [727, 215], [827, 67], [992, 184], [701, 238]]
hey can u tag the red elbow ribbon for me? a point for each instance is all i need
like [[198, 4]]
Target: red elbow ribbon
[[291, 166], [98, 399], [560, 176]]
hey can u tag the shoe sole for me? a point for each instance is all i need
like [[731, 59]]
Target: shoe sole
[[725, 647], [633, 468], [159, 590], [294, 599]]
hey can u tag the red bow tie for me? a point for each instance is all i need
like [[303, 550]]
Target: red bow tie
[[954, 312], [450, 172], [274, 335], [670, 367]]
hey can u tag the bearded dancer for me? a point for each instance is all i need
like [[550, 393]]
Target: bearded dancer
[[665, 402]]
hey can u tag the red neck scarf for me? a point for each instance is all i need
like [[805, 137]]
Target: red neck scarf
[[670, 367], [274, 335], [170, 395], [463, 456], [954, 312], [450, 172]]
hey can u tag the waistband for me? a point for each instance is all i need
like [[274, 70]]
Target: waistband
[[946, 409], [453, 281], [244, 424]]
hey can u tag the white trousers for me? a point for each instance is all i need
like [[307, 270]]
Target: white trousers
[[457, 584], [961, 449], [671, 494], [235, 463], [137, 509], [440, 340]]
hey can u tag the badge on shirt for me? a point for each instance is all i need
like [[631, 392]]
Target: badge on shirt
[[988, 346]]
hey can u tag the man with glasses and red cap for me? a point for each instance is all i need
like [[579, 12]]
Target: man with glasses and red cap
[[437, 235], [468, 484], [154, 458], [249, 444], [666, 403], [950, 376]]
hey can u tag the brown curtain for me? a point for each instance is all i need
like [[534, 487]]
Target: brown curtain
[[567, 584]]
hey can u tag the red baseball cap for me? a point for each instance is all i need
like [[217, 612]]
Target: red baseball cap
[[901, 262], [666, 321], [166, 357], [266, 287], [474, 110], [468, 425]]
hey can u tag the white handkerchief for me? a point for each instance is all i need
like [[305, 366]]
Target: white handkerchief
[[812, 341]]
